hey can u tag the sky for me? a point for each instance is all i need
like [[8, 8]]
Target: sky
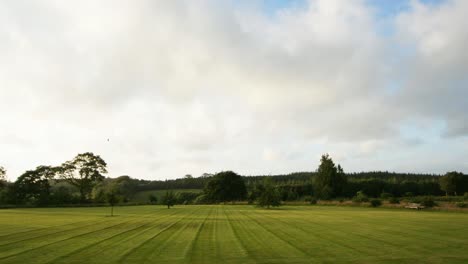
[[160, 89]]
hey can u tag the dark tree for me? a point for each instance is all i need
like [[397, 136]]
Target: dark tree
[[126, 186], [452, 182], [268, 195], [61, 192], [226, 186], [153, 199], [33, 185], [2, 174], [112, 197], [185, 197], [3, 180], [84, 171], [168, 199], [330, 180]]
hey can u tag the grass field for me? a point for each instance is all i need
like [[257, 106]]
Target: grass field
[[232, 234]]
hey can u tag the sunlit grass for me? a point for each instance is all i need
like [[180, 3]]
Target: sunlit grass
[[232, 234]]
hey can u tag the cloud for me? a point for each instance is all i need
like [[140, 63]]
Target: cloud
[[184, 87], [435, 71]]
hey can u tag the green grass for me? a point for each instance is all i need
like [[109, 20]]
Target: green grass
[[232, 234], [143, 196]]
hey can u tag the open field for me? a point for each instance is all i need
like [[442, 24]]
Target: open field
[[232, 234]]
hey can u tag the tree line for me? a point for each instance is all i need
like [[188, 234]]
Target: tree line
[[44, 185], [82, 180]]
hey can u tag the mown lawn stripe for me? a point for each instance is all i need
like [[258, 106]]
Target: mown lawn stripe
[[334, 234], [237, 241], [285, 240], [135, 254], [33, 234], [233, 234], [89, 251], [198, 246], [57, 239]]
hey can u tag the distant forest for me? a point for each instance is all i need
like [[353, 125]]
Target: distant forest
[[295, 185]]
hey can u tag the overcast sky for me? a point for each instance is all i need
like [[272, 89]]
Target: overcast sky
[[258, 87]]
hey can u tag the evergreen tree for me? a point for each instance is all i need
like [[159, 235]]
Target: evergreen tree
[[330, 180]]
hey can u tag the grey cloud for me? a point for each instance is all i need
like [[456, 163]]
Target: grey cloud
[[435, 84], [213, 84]]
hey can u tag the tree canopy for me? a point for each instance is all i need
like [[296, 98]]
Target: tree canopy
[[2, 174], [3, 179], [84, 171], [112, 196], [453, 182], [268, 195], [226, 186], [33, 185], [330, 180], [168, 199]]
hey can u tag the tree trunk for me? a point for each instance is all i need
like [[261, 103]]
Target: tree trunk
[[168, 207]]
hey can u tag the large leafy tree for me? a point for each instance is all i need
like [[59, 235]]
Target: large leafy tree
[[83, 172], [226, 186], [453, 182], [330, 179], [268, 195], [33, 185]]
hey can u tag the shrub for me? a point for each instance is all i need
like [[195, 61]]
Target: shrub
[[451, 199], [202, 199], [385, 195], [360, 197], [186, 197], [325, 193], [462, 204], [376, 202], [394, 200], [427, 201], [313, 201], [408, 194], [153, 199], [465, 197], [252, 197]]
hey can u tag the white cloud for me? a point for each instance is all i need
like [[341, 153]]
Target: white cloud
[[184, 87], [436, 72]]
